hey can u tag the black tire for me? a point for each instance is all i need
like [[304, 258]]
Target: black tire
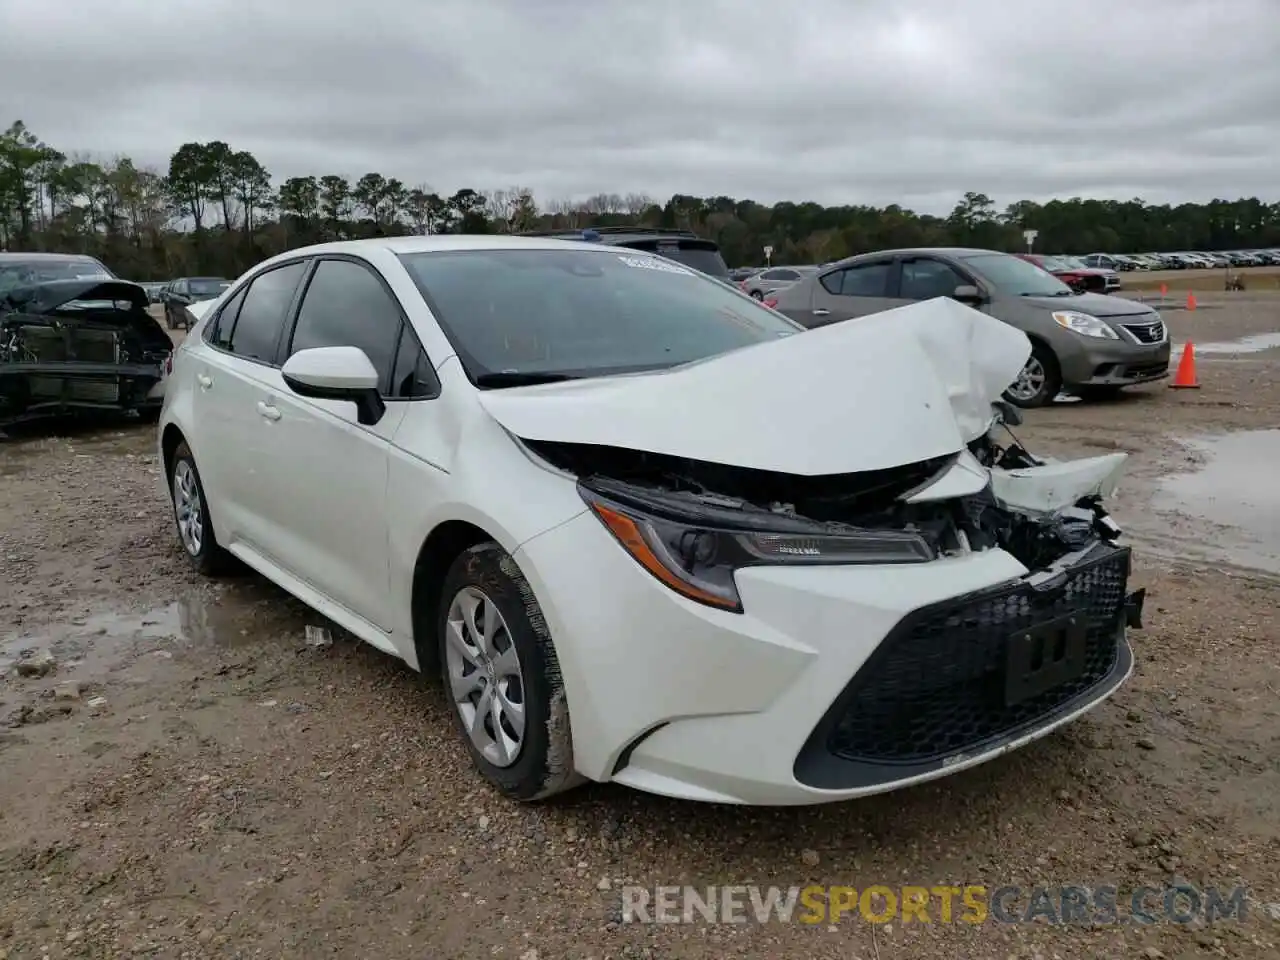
[[757, 295], [149, 414], [1051, 385], [544, 764], [210, 559], [168, 319]]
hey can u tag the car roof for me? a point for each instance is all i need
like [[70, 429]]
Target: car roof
[[12, 255], [436, 243]]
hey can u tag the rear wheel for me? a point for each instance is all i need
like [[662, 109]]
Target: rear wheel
[[502, 677], [1039, 382], [191, 515]]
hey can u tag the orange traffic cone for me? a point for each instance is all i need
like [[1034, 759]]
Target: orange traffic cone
[[1164, 290], [1185, 378], [1191, 301]]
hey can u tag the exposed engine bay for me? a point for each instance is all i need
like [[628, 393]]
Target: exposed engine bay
[[78, 344], [727, 497]]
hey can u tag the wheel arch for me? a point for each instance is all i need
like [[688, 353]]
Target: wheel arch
[[444, 544]]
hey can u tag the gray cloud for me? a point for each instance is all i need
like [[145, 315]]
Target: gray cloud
[[838, 101]]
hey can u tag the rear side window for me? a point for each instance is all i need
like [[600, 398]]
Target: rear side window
[[347, 306], [262, 314], [219, 332], [865, 280]]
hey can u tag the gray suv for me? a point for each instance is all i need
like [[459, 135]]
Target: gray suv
[[1089, 344]]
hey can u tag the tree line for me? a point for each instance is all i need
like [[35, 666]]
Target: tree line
[[217, 211]]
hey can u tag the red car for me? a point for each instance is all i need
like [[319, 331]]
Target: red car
[[1075, 274]]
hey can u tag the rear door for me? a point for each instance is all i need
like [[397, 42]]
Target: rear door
[[235, 378], [847, 292]]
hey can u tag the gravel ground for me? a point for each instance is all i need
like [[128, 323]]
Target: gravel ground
[[191, 779]]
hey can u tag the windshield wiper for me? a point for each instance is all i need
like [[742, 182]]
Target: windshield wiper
[[516, 379]]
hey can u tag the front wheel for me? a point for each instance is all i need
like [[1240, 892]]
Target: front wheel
[[502, 677], [757, 295], [1039, 382]]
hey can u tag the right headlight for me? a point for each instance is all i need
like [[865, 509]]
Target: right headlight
[[695, 547], [1084, 324]]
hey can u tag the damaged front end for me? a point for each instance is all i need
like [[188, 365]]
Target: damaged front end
[[79, 345], [703, 521], [954, 679]]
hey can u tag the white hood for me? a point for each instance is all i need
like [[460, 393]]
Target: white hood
[[893, 388]]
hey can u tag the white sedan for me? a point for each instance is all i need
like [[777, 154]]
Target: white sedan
[[644, 528]]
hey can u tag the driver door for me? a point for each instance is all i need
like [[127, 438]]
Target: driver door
[[327, 486]]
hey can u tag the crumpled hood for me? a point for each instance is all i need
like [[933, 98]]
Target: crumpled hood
[[882, 391], [49, 296]]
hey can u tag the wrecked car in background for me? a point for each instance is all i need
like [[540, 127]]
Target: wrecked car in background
[[79, 345], [646, 529]]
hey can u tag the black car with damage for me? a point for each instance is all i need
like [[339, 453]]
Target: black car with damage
[[79, 345]]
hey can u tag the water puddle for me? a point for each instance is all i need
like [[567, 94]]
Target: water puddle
[[1234, 490], [99, 643], [1253, 344]]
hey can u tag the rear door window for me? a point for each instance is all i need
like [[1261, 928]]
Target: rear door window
[[264, 310], [862, 280]]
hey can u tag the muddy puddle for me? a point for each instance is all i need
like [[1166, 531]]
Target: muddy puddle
[[99, 644], [1243, 345], [1231, 499]]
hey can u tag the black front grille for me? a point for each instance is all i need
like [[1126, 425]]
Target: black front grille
[[1139, 370], [935, 686], [1151, 332]]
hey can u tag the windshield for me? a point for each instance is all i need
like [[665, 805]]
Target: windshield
[[1015, 276], [207, 288], [583, 313], [17, 273]]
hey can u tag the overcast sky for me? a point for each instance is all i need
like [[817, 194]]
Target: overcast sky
[[838, 101]]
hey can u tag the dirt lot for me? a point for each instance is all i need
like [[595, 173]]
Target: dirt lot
[[192, 780]]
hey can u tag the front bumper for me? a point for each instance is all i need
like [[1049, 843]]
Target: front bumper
[[1114, 363], [836, 682]]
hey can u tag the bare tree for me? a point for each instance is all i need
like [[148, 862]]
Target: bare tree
[[636, 203]]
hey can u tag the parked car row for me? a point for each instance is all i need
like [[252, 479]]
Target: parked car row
[[1126, 262]]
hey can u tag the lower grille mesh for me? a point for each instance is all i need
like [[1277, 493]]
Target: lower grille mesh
[[936, 686]]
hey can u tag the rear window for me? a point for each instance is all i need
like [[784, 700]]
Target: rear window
[[206, 287], [698, 254], [584, 312]]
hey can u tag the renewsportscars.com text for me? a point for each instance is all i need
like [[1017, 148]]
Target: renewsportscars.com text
[[972, 904]]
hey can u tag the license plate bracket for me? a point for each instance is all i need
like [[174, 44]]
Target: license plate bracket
[[1044, 656]]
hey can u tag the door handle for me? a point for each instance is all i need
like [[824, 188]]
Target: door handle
[[821, 312], [268, 411], [204, 381]]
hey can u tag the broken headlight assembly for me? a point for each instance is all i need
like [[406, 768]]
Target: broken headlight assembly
[[695, 543]]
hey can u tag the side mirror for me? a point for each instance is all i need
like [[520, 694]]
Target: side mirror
[[337, 373], [967, 293]]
